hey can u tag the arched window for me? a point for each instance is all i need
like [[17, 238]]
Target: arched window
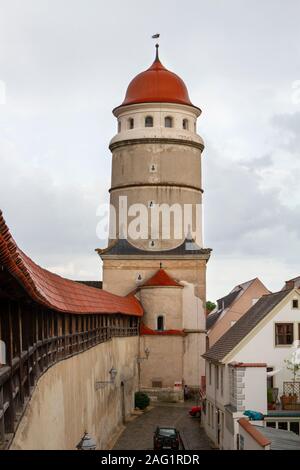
[[168, 121], [131, 123], [149, 121], [185, 124], [119, 126], [160, 323]]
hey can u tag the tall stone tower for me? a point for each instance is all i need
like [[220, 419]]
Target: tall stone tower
[[155, 249]]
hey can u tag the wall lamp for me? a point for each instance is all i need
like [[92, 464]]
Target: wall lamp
[[113, 373], [147, 354], [86, 443]]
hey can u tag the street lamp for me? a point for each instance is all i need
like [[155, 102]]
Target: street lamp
[[113, 373], [86, 443]]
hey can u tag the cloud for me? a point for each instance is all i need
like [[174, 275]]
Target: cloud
[[67, 64]]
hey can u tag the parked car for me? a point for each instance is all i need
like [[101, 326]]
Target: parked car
[[195, 411], [166, 438]]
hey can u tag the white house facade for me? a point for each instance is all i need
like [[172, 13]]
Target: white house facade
[[246, 370]]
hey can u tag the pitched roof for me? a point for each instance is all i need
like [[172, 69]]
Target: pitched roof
[[223, 303], [280, 439], [244, 325], [122, 247], [161, 279], [212, 318], [254, 432], [56, 292], [227, 301]]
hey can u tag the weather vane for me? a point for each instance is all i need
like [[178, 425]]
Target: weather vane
[[156, 36]]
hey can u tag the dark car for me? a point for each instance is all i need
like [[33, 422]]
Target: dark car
[[166, 438]]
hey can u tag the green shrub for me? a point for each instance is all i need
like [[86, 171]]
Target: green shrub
[[141, 400]]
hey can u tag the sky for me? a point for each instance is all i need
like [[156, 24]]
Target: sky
[[65, 64]]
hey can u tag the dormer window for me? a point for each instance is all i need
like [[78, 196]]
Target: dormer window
[[160, 323], [168, 121], [131, 123], [149, 121], [185, 124]]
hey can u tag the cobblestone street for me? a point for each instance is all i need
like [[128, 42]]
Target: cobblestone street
[[138, 434]]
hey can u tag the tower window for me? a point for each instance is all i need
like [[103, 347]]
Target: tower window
[[160, 323], [153, 168], [149, 121], [131, 123], [168, 121], [185, 124], [119, 126]]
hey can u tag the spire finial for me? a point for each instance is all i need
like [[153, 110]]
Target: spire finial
[[156, 36], [157, 53]]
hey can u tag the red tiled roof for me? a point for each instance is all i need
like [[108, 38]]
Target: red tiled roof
[[254, 432], [56, 292], [145, 331], [161, 279]]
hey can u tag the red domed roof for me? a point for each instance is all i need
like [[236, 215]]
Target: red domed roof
[[157, 85]]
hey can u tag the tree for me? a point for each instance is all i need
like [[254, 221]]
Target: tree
[[141, 400], [294, 366], [210, 306]]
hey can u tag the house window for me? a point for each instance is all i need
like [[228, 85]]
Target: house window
[[168, 121], [149, 121], [209, 373], [185, 124], [131, 123], [156, 383], [295, 303], [153, 168], [284, 334], [160, 323], [119, 126]]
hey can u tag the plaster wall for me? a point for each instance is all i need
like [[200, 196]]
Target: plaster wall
[[65, 402]]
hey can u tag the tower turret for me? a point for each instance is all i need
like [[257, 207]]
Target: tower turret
[[155, 249], [156, 160]]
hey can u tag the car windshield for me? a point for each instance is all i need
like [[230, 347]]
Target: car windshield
[[167, 432]]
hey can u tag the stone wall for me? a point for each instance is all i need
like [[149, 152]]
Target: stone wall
[[65, 402]]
